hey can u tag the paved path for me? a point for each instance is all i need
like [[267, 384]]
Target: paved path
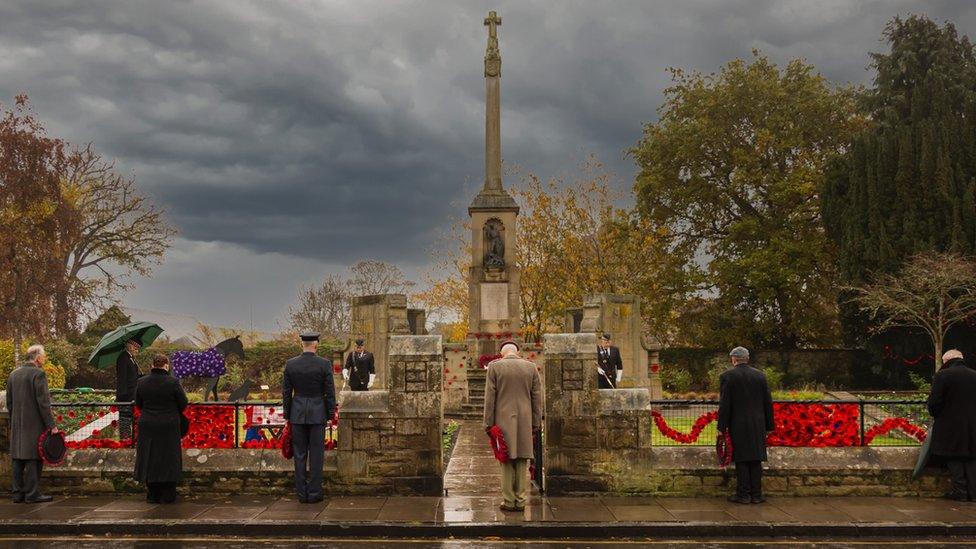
[[467, 516], [473, 470]]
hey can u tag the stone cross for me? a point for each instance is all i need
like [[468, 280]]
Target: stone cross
[[492, 22]]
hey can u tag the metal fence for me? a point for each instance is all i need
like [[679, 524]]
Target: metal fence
[[211, 424], [818, 423]]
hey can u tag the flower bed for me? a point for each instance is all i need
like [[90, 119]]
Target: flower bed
[[801, 424], [253, 426]]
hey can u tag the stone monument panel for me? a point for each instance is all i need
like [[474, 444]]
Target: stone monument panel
[[494, 301]]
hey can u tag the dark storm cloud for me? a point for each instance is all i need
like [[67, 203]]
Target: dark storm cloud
[[342, 130]]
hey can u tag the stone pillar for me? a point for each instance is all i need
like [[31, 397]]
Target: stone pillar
[[653, 349], [619, 315], [390, 440], [594, 437], [417, 321], [572, 413], [376, 318]]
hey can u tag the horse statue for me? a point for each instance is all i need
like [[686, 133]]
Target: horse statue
[[211, 363]]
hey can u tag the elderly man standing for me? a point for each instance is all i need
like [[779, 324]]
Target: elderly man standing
[[29, 404], [953, 406], [745, 412], [513, 401]]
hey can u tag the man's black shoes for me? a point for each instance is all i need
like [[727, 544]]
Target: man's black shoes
[[758, 499], [956, 496], [17, 498], [316, 499], [739, 499], [40, 499]]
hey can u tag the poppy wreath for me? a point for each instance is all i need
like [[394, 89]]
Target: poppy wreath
[[892, 423], [496, 438], [678, 436], [484, 360]]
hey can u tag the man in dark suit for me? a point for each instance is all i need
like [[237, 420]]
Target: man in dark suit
[[610, 367], [745, 412], [29, 405], [308, 398], [952, 403], [359, 370], [126, 376]]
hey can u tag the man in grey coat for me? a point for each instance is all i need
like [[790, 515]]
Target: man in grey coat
[[513, 401], [29, 404]]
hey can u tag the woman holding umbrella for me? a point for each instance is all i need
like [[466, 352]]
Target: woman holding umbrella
[[159, 459]]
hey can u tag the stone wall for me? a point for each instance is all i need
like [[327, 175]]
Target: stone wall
[[598, 441], [205, 471], [692, 471], [834, 368], [455, 376], [390, 441]]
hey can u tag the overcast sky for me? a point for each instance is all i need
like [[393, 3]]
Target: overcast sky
[[288, 139]]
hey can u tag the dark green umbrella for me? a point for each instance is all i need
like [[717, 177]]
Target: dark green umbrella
[[923, 454], [113, 343]]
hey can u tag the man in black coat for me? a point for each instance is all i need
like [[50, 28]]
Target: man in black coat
[[308, 397], [745, 412], [610, 367], [126, 376], [952, 403], [359, 370]]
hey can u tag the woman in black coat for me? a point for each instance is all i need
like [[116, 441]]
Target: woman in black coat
[[159, 458]]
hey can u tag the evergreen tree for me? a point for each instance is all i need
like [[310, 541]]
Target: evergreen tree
[[908, 182]]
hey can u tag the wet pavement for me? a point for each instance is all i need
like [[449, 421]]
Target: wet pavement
[[31, 543], [484, 510], [473, 470], [470, 512]]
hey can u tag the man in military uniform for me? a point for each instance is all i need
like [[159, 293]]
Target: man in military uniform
[[308, 398], [610, 367], [359, 370]]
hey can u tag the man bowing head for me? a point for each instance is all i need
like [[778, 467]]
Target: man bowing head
[[513, 402]]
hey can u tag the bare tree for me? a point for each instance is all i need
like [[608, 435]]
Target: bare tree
[[323, 308], [371, 277], [933, 291], [119, 228]]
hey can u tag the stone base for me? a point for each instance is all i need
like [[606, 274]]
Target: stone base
[[222, 472], [789, 472]]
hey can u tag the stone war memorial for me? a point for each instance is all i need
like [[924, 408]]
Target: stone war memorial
[[641, 435]]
